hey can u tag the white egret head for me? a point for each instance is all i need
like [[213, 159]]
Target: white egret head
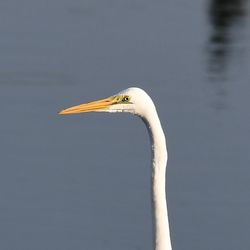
[[131, 100]]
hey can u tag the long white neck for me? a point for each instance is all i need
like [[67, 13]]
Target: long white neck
[[159, 158]]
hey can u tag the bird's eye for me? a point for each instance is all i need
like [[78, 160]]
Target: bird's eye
[[125, 99]]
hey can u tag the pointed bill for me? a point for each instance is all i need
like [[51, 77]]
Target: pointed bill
[[94, 106]]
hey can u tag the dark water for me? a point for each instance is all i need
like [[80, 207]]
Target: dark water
[[83, 182]]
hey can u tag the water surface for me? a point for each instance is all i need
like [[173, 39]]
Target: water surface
[[83, 182]]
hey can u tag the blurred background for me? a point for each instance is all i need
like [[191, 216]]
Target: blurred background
[[83, 182]]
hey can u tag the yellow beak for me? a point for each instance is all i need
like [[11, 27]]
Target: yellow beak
[[94, 106]]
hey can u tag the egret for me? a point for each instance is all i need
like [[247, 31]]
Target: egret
[[136, 101]]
